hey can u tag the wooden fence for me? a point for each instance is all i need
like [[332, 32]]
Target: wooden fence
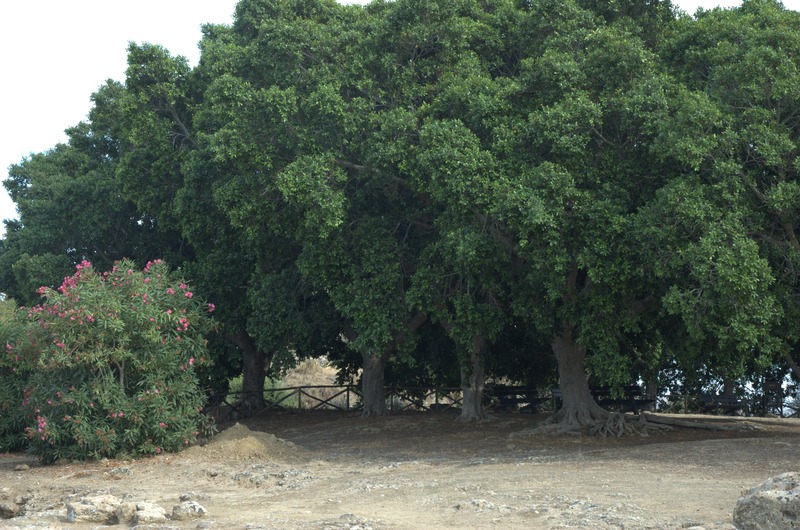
[[402, 399], [333, 397]]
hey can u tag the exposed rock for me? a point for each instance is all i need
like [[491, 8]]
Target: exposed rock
[[125, 512], [95, 509], [120, 471], [149, 512], [188, 510], [9, 510], [774, 505], [108, 509], [21, 467]]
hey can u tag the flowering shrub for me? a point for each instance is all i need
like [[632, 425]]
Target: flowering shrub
[[113, 365], [18, 360]]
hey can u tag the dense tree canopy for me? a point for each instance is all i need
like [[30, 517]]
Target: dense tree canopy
[[609, 189]]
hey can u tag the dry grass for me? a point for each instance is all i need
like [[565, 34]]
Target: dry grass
[[313, 372]]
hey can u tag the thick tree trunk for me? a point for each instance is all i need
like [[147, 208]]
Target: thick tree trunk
[[651, 393], [372, 377], [255, 365], [372, 389], [728, 386], [793, 365], [472, 380], [578, 408]]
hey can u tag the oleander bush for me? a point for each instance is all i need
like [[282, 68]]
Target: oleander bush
[[105, 366]]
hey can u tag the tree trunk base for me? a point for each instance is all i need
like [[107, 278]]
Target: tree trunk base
[[474, 417], [374, 413], [373, 394]]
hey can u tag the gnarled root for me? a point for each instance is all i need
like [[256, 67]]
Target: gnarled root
[[621, 424], [607, 424]]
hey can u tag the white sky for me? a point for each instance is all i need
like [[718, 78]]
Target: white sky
[[54, 54]]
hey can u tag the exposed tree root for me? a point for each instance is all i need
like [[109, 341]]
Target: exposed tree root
[[621, 424], [610, 424], [618, 425], [374, 413], [713, 426]]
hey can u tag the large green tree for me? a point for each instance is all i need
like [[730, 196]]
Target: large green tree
[[735, 137], [614, 180], [304, 163], [174, 167], [71, 208]]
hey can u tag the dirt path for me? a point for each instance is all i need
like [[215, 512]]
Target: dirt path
[[333, 470]]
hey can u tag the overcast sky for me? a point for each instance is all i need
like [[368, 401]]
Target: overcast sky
[[54, 54]]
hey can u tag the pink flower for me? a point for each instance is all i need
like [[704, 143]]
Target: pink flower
[[191, 361], [170, 291], [183, 286], [158, 450], [188, 294], [211, 308]]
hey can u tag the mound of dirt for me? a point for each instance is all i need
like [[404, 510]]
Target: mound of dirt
[[240, 443]]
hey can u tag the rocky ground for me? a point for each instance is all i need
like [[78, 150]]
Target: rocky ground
[[333, 470]]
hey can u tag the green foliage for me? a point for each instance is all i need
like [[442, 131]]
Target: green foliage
[[107, 364], [70, 207], [515, 171]]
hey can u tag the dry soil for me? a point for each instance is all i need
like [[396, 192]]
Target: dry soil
[[334, 470]]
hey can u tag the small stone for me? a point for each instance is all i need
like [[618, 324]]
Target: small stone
[[149, 512], [8, 510], [188, 510], [22, 467]]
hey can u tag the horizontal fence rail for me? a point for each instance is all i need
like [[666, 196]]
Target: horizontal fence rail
[[348, 398], [330, 397]]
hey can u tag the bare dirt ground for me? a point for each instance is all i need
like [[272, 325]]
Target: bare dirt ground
[[334, 470]]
